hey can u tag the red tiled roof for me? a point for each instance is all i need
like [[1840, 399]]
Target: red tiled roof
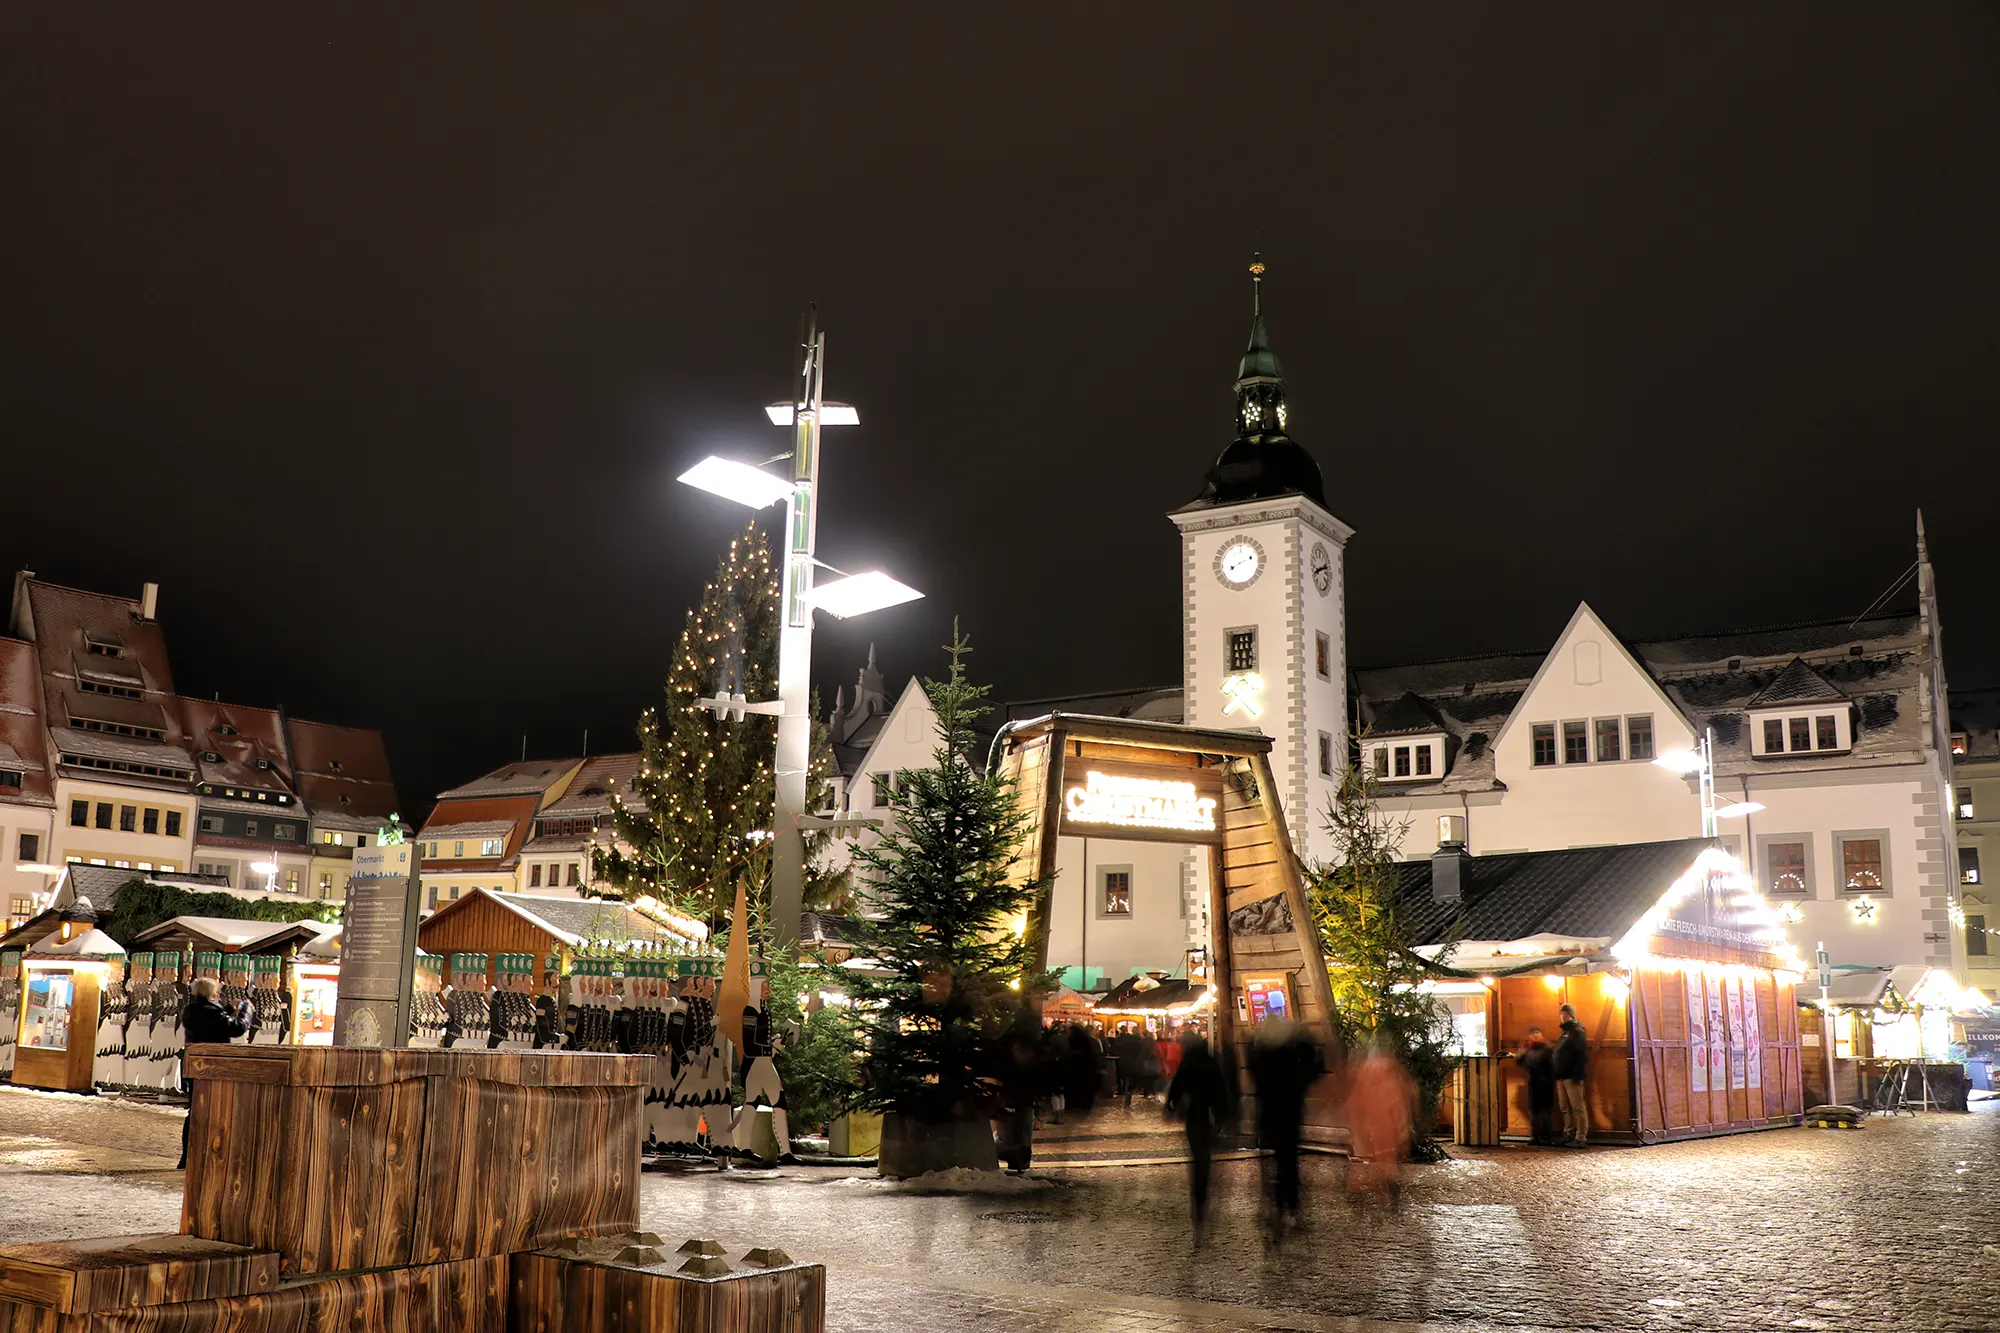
[[66, 619], [330, 762], [21, 724], [258, 735], [518, 812]]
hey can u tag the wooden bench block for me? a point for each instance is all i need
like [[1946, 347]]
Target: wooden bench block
[[466, 1297], [117, 1272], [556, 1294]]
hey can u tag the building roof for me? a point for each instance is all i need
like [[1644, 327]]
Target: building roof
[[248, 745], [1797, 683], [511, 817], [590, 792], [1578, 893], [1975, 714], [342, 771], [1713, 679], [487, 828], [1409, 715], [529, 778], [139, 754], [66, 622], [23, 741]]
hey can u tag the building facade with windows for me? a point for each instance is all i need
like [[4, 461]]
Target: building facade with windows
[[475, 833], [342, 776], [27, 791], [556, 860], [1834, 730], [140, 777], [1975, 811]]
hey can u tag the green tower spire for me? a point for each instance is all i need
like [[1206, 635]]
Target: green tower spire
[[1260, 380]]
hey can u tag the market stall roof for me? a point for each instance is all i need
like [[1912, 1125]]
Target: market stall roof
[[230, 935], [92, 943], [1574, 895], [569, 921], [1175, 995]]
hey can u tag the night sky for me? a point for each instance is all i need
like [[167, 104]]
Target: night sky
[[377, 334]]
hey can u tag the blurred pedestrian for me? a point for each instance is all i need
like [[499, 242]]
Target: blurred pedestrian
[[1199, 1095], [1083, 1069], [1571, 1059], [204, 1020], [1380, 1103], [1284, 1062], [1537, 1060]]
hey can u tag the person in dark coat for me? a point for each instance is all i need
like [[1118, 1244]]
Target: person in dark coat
[[1571, 1061], [1086, 1056], [1284, 1062], [204, 1020], [1199, 1095], [1537, 1060]]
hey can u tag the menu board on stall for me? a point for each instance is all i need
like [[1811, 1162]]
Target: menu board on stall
[[1753, 1039], [1718, 1035], [1697, 1007], [1737, 1073], [378, 948]]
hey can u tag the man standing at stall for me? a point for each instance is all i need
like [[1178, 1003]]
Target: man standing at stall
[[204, 1020], [1572, 1060]]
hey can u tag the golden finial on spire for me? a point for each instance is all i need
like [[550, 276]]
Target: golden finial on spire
[[1256, 265]]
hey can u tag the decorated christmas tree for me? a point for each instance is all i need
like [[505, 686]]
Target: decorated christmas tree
[[704, 791], [958, 964]]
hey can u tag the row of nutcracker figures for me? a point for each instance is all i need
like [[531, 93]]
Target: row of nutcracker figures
[[10, 1009], [664, 1007], [139, 1037]]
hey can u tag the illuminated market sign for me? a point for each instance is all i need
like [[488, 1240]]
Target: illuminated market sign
[[1126, 801], [1245, 693]]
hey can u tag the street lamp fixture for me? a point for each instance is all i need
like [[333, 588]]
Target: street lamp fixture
[[849, 595], [830, 414], [731, 480], [858, 594], [1701, 763]]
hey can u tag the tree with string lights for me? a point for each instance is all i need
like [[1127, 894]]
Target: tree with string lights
[[701, 819]]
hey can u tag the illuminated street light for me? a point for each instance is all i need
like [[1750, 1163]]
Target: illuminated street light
[[731, 480], [847, 596], [858, 594], [269, 870], [1701, 763], [830, 414]]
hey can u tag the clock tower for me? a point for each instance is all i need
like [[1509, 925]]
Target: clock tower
[[1263, 606]]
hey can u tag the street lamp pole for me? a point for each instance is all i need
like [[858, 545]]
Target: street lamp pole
[[788, 851]]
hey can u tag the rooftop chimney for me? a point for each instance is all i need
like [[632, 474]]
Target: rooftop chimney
[[1450, 863], [149, 601]]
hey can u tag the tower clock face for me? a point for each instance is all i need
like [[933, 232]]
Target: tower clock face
[[1239, 563], [1322, 568]]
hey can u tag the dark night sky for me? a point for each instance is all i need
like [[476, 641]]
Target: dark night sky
[[377, 334]]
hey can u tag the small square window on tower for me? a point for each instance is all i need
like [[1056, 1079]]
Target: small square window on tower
[[1242, 652], [1325, 755], [1323, 656]]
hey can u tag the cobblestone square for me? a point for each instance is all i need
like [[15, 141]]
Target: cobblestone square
[[1895, 1227]]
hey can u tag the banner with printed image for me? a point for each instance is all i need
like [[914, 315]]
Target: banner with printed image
[[1697, 1014], [1737, 1072]]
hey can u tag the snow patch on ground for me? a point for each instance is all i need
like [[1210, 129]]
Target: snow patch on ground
[[955, 1180], [99, 1100]]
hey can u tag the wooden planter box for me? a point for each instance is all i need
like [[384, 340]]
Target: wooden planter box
[[341, 1158]]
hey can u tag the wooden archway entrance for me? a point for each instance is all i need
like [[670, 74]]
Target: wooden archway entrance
[[1212, 791]]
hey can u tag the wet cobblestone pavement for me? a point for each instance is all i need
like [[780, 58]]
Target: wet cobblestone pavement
[[1896, 1227]]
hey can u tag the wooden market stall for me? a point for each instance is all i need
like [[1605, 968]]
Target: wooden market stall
[[55, 1036], [1679, 974], [486, 925]]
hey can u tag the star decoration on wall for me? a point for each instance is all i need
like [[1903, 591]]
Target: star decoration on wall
[[1864, 909]]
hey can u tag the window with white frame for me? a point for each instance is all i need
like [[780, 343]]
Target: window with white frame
[[535, 875], [1639, 737], [492, 846], [1968, 865], [1401, 768], [1423, 757], [1610, 740], [1962, 798], [1801, 733], [1544, 745], [1864, 861]]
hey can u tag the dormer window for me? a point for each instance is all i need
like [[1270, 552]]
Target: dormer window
[[103, 645], [224, 729], [264, 764], [1417, 759], [11, 778], [1802, 734], [210, 757], [1958, 745]]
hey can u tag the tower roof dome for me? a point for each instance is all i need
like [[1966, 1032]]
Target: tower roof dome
[[1263, 462]]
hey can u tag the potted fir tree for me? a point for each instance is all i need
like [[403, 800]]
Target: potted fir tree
[[956, 972]]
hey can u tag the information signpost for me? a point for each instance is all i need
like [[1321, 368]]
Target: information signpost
[[378, 948]]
